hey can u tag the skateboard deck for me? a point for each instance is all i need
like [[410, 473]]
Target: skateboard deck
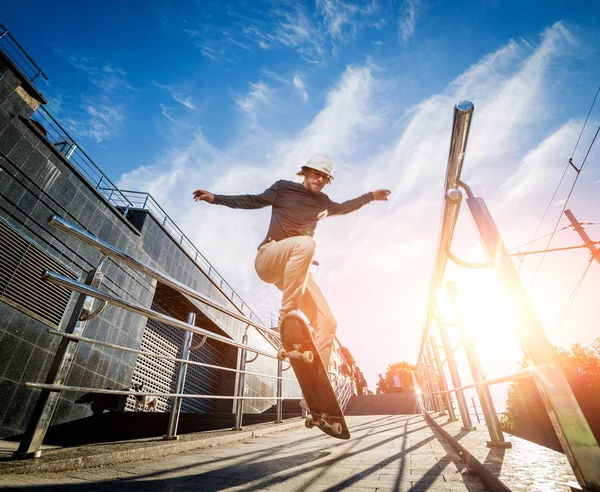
[[299, 348]]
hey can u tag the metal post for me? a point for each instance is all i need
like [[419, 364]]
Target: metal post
[[426, 388], [435, 382], [487, 405], [59, 371], [447, 396], [239, 409], [176, 407], [435, 397], [475, 409], [571, 427], [460, 395], [581, 231], [279, 405]]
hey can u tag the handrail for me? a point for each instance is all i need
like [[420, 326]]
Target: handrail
[[143, 353], [134, 307], [62, 141], [14, 45], [463, 113], [109, 250], [101, 391], [145, 201], [568, 420], [30, 445]]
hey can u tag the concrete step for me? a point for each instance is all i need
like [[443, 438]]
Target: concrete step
[[388, 404]]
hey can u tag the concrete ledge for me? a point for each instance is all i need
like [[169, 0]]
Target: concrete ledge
[[97, 455]]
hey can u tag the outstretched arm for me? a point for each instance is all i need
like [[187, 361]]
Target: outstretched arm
[[354, 204], [239, 201]]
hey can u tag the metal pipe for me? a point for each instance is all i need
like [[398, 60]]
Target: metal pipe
[[572, 429], [156, 356], [179, 387], [463, 113], [66, 282], [485, 398], [454, 375], [279, 408], [37, 426], [239, 409], [435, 383], [522, 374], [101, 391], [442, 378], [109, 250]]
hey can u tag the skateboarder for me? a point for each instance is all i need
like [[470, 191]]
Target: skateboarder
[[286, 254]]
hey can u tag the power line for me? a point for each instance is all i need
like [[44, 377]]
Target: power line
[[562, 315], [566, 201], [570, 163], [541, 237]]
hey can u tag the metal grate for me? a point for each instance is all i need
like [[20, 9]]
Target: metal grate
[[21, 267], [161, 375]]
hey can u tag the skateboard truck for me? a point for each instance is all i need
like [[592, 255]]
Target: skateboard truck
[[323, 423], [306, 355]]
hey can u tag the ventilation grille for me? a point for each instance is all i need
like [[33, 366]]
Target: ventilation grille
[[21, 285], [160, 375]]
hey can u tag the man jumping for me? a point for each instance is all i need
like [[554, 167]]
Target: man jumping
[[286, 254]]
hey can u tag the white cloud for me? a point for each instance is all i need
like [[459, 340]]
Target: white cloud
[[178, 94], [257, 97], [300, 87], [376, 263], [408, 19]]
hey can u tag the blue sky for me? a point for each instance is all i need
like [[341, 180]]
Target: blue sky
[[230, 96]]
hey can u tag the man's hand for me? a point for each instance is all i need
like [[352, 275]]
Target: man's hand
[[203, 196], [381, 194]]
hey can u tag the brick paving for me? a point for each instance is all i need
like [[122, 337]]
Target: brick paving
[[525, 467], [394, 452]]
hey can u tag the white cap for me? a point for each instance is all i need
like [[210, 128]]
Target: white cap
[[320, 162]]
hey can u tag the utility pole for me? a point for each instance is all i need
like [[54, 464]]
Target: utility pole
[[586, 239]]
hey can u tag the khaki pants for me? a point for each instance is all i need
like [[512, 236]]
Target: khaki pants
[[286, 264]]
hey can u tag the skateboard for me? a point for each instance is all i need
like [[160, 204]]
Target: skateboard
[[299, 348]]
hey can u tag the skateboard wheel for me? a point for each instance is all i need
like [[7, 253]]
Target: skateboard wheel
[[337, 428], [281, 354], [309, 423], [308, 357]]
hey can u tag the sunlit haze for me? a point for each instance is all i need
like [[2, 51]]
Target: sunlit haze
[[232, 96]]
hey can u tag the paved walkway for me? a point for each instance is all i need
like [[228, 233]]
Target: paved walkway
[[399, 452], [524, 467]]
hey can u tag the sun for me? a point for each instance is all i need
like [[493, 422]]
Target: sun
[[490, 320]]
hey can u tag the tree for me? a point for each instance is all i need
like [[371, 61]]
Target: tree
[[526, 415], [404, 370]]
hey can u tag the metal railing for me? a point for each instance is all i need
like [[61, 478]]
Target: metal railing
[[145, 201], [125, 200], [17, 54], [58, 136], [435, 392], [85, 310]]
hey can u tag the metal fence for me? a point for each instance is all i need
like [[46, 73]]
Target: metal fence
[[11, 47], [437, 355], [145, 201], [85, 310]]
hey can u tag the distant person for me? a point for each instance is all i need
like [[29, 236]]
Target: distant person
[[381, 385], [359, 379], [286, 254], [397, 381]]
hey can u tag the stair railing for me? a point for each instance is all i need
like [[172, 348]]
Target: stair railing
[[85, 310], [572, 429]]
